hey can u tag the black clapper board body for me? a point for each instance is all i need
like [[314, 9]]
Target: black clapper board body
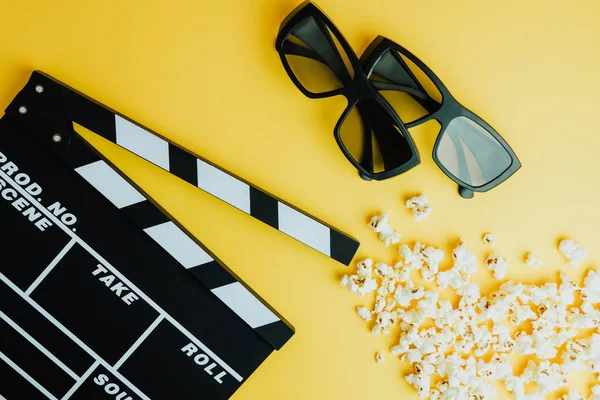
[[102, 293]]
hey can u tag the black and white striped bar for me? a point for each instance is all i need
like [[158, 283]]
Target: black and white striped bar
[[227, 187], [234, 191]]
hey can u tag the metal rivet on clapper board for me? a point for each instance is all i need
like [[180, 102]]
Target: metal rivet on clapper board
[[39, 89], [56, 138], [23, 110]]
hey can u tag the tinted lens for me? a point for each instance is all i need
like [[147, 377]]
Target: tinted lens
[[373, 139], [316, 57], [471, 153], [395, 68]]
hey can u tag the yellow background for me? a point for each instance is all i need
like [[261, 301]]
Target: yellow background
[[206, 75]]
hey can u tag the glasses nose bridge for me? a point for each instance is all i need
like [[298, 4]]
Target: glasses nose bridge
[[359, 89]]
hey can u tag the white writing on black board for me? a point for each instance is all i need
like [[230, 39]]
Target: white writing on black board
[[27, 210], [24, 206], [111, 388], [201, 359], [115, 286]]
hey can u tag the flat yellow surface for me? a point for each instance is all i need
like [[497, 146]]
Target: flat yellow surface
[[206, 75]]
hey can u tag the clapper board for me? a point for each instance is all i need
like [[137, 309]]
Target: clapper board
[[103, 295]]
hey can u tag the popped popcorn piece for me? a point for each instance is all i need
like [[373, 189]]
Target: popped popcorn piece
[[595, 393], [498, 265], [464, 259], [412, 258], [421, 382], [533, 261], [590, 293], [573, 252], [419, 207], [379, 304], [404, 295], [383, 270], [572, 395], [345, 281], [489, 239], [365, 268], [364, 313], [386, 233], [359, 285], [453, 278], [379, 358]]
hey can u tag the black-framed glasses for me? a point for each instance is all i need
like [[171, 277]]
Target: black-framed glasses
[[389, 91], [322, 64], [467, 149]]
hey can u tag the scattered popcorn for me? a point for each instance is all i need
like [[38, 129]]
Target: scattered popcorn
[[379, 358], [419, 207], [386, 233], [572, 252], [468, 346], [489, 239], [533, 261], [498, 265], [364, 313]]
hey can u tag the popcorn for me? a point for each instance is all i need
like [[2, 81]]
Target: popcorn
[[345, 281], [390, 304], [524, 343], [595, 392], [453, 278], [431, 258], [384, 270], [549, 377], [498, 265], [421, 382], [572, 252], [590, 292], [419, 207], [360, 285], [572, 395], [566, 290], [521, 313], [386, 233], [365, 268], [533, 261], [476, 334], [470, 294], [489, 239], [412, 258], [464, 259], [404, 295], [388, 285], [364, 313]]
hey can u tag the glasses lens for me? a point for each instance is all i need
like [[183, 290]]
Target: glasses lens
[[373, 139], [316, 57], [395, 68], [470, 153]]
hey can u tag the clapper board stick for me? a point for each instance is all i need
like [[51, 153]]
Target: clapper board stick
[[193, 169], [49, 114]]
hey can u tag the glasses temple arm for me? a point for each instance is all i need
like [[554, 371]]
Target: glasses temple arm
[[427, 102]]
